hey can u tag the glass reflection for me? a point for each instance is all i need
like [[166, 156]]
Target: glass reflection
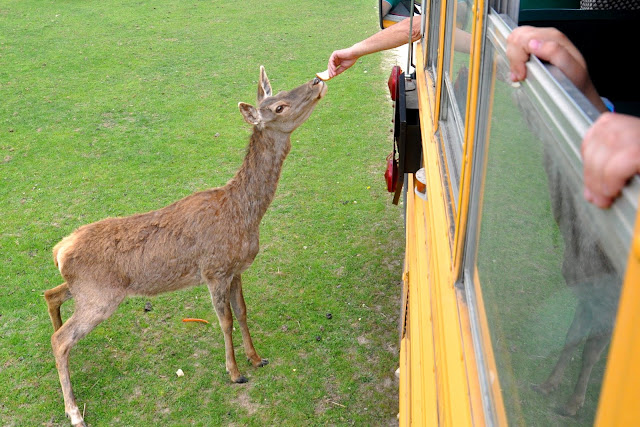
[[461, 46], [550, 292]]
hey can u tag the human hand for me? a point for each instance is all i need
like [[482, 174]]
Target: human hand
[[551, 45], [611, 155], [340, 61]]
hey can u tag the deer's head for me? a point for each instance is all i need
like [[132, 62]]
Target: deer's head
[[285, 111]]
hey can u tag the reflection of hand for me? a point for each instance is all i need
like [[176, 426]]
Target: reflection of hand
[[340, 61], [549, 44], [611, 155]]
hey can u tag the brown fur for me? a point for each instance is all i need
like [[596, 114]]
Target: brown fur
[[209, 237]]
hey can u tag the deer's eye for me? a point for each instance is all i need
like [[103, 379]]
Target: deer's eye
[[279, 109]]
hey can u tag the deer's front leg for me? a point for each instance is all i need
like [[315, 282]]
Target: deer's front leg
[[219, 289], [240, 310]]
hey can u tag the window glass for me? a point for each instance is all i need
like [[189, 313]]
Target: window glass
[[550, 291], [433, 38], [461, 45], [424, 26]]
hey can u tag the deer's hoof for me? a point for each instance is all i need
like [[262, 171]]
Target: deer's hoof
[[566, 411], [241, 380], [75, 418], [258, 364], [571, 408], [544, 388]]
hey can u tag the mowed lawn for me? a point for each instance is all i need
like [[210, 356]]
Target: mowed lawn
[[114, 108]]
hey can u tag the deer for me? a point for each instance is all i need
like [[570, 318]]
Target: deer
[[210, 237]]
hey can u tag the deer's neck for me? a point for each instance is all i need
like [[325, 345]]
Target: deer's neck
[[255, 182]]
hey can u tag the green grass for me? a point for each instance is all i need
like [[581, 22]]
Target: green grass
[[114, 108]]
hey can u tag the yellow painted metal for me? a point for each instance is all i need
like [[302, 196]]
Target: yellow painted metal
[[477, 411], [437, 364], [417, 373], [489, 358], [405, 380], [424, 396], [618, 404], [387, 23]]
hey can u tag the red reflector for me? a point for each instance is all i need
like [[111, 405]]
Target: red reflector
[[393, 80], [391, 174]]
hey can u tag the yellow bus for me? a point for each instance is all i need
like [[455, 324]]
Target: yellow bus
[[521, 301]]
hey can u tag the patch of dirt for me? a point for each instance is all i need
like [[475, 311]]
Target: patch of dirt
[[137, 392], [362, 340], [243, 400], [330, 400], [387, 385]]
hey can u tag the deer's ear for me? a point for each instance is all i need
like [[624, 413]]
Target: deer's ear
[[264, 86], [250, 114]]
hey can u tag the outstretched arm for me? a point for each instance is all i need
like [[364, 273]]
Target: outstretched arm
[[389, 38]]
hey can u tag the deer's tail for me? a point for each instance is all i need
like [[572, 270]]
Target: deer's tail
[[55, 298]]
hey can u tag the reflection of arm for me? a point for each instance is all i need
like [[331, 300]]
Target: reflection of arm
[[389, 38], [386, 7], [462, 41]]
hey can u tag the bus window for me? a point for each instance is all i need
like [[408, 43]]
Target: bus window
[[433, 38], [546, 264], [454, 92], [535, 288]]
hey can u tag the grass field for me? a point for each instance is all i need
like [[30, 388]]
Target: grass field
[[114, 108]]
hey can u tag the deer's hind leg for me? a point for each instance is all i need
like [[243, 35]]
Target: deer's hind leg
[[578, 330], [590, 355], [89, 312], [55, 298], [240, 310], [219, 288]]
